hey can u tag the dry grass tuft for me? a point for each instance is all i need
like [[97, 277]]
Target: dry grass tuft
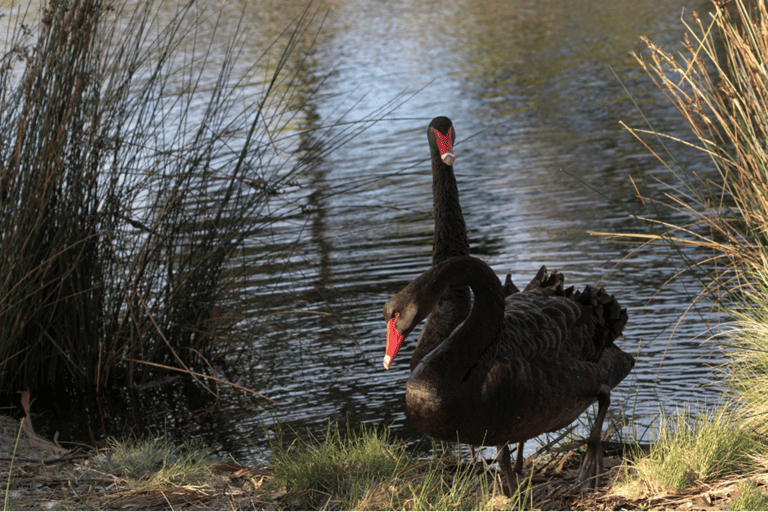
[[720, 87], [719, 225]]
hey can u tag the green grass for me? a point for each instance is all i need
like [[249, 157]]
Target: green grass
[[156, 462], [747, 351], [749, 498], [695, 447], [10, 467], [336, 465], [369, 470]]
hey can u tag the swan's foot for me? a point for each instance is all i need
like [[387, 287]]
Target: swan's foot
[[591, 470], [510, 475], [591, 467]]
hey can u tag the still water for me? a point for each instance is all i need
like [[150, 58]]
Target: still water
[[536, 91]]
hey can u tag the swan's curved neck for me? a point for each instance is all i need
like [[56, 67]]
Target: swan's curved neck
[[482, 328]]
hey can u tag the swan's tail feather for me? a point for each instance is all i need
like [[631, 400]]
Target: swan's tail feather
[[551, 284], [607, 314], [509, 286]]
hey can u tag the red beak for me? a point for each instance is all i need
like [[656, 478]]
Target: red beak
[[394, 340]]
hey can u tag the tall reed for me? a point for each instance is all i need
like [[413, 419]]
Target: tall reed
[[131, 185], [719, 84]]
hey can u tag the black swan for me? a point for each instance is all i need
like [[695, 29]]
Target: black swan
[[450, 239], [519, 366]]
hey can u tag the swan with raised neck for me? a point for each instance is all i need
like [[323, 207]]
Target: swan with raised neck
[[449, 239]]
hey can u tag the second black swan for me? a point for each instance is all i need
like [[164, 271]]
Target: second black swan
[[450, 239]]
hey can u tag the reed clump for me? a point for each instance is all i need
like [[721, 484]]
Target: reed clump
[[715, 217], [134, 188], [713, 214]]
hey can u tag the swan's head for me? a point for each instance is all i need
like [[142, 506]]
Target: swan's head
[[404, 311], [441, 136]]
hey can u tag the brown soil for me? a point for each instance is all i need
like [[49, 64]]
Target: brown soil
[[46, 476]]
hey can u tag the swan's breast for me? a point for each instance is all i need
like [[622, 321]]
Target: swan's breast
[[437, 405]]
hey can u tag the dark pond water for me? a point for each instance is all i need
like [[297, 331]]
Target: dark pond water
[[536, 91]]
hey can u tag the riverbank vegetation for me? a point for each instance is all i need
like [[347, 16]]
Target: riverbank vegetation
[[119, 221], [720, 87], [714, 219], [368, 469], [142, 166]]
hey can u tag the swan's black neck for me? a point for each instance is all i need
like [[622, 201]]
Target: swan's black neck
[[450, 238], [457, 354]]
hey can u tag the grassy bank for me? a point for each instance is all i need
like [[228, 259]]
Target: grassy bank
[[367, 470]]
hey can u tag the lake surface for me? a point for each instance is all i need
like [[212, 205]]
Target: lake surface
[[536, 91]]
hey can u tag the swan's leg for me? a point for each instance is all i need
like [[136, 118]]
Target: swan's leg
[[592, 463], [520, 458], [510, 476]]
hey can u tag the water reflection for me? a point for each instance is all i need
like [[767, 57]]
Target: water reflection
[[531, 93]]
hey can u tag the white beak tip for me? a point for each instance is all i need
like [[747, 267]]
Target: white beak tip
[[387, 361]]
